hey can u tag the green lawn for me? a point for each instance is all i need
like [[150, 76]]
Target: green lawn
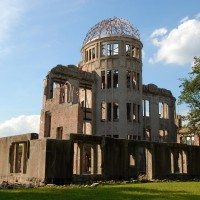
[[147, 191]]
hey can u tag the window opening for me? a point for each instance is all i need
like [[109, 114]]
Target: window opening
[[128, 108], [115, 79], [115, 111], [109, 111], [103, 111], [59, 134], [108, 79], [102, 79]]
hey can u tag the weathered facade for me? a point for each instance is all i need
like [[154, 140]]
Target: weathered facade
[[99, 122]]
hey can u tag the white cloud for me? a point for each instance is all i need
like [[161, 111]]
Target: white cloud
[[180, 45], [159, 32], [10, 13], [20, 125], [184, 19]]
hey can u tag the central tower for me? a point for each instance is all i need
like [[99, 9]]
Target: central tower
[[112, 50]]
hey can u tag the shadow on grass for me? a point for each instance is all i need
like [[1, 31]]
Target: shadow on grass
[[101, 192]]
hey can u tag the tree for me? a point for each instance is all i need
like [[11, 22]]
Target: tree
[[190, 95]]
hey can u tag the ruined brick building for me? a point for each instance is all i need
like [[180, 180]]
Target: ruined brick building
[[98, 121]]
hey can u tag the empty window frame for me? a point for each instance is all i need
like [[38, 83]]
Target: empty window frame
[[161, 109], [115, 78], [62, 94], [51, 89], [109, 111], [128, 79], [134, 80], [128, 50], [93, 53], [113, 49], [108, 79], [146, 108], [148, 134], [133, 51], [137, 53], [128, 108], [104, 50], [86, 56], [110, 49], [103, 79], [47, 124], [18, 157], [103, 111], [115, 112], [59, 133], [131, 161], [90, 54], [134, 112], [166, 109]]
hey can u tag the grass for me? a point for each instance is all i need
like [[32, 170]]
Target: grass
[[143, 191]]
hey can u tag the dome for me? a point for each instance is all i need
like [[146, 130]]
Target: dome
[[111, 27]]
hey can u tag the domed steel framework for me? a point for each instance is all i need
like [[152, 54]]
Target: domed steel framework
[[111, 27]]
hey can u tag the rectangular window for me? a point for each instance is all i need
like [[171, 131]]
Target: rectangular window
[[52, 87], [18, 157], [131, 161], [103, 85], [104, 50], [166, 111], [128, 108], [146, 108], [134, 79], [115, 79], [90, 54], [134, 112], [137, 53], [86, 56], [110, 49], [59, 134], [115, 111], [109, 111], [116, 136], [93, 53], [115, 49], [62, 94], [103, 111], [160, 109], [128, 50], [47, 125], [133, 51], [128, 79], [108, 79]]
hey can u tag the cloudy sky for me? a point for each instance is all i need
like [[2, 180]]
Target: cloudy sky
[[36, 35]]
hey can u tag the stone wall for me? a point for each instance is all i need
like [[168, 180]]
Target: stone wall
[[81, 158]]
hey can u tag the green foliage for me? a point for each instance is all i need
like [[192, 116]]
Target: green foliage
[[142, 191], [190, 95]]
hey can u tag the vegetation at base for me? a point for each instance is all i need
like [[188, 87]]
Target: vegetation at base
[[139, 191], [190, 95]]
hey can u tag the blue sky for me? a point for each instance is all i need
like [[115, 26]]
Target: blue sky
[[36, 35]]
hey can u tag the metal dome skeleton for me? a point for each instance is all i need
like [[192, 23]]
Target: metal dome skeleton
[[111, 27]]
